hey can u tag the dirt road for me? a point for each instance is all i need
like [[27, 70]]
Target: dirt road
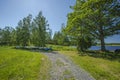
[[64, 69]]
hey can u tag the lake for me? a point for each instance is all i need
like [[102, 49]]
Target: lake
[[110, 48]]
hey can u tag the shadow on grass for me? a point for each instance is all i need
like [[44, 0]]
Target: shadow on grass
[[36, 50], [105, 55], [97, 54]]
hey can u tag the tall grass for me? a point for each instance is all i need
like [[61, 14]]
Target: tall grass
[[21, 64]]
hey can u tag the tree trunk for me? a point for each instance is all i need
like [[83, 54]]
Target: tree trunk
[[102, 44], [102, 40]]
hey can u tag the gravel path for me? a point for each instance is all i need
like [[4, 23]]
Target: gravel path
[[64, 69]]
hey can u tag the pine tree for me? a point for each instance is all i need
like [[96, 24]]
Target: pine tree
[[94, 18]]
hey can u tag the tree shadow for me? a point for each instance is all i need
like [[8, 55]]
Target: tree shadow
[[105, 55], [37, 50]]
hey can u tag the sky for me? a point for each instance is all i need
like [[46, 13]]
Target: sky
[[55, 11]]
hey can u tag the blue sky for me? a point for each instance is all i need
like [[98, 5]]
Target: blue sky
[[55, 11]]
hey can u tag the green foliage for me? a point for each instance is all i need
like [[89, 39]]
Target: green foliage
[[49, 37], [28, 32], [39, 30], [22, 65], [23, 31], [6, 36], [18, 33], [57, 38], [13, 37], [94, 18], [61, 38], [84, 43]]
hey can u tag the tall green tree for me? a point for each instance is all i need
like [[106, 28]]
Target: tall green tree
[[39, 25], [94, 19], [23, 31], [26, 30]]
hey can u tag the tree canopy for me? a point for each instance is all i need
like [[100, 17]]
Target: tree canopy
[[94, 18]]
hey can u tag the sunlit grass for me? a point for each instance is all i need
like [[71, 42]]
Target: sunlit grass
[[62, 48], [22, 65], [99, 68]]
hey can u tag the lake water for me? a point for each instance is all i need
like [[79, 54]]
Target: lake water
[[110, 48]]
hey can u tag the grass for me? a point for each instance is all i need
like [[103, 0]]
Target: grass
[[99, 68], [67, 72], [59, 63], [22, 65], [61, 48]]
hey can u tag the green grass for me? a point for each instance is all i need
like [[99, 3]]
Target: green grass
[[22, 65], [59, 63], [99, 68], [61, 48], [66, 72]]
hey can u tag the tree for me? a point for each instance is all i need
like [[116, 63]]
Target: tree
[[13, 37], [0, 35], [23, 31], [60, 37], [57, 38], [19, 33], [26, 30], [49, 36], [93, 18], [39, 30], [5, 36], [65, 38]]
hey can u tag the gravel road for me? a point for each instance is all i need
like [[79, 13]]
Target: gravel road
[[64, 69]]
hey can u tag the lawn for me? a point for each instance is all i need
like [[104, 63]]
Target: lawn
[[22, 65], [99, 68]]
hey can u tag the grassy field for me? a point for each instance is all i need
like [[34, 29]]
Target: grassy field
[[99, 68], [22, 65]]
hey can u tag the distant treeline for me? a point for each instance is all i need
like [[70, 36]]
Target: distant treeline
[[32, 32], [29, 31]]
